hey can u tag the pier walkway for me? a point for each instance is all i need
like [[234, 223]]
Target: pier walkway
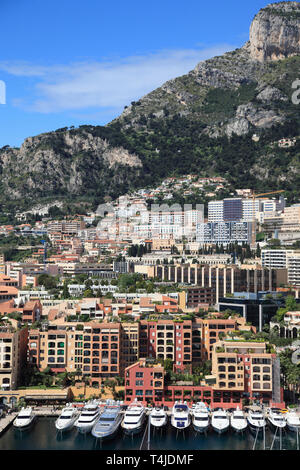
[[6, 421], [47, 411]]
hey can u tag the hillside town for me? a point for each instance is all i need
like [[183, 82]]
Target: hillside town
[[92, 302]]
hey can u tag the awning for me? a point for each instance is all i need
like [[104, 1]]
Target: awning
[[46, 397]]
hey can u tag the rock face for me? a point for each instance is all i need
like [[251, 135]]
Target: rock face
[[69, 162], [275, 32], [247, 115]]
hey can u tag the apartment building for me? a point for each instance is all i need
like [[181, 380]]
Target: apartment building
[[65, 226], [293, 268], [8, 281], [240, 370], [197, 296], [13, 348], [275, 259], [32, 311], [144, 381], [167, 339], [243, 209], [215, 211], [49, 349], [95, 350], [289, 259], [212, 329], [224, 232], [8, 293], [130, 339], [246, 367], [165, 224], [222, 279]]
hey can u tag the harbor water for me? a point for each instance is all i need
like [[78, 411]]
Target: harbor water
[[42, 435]]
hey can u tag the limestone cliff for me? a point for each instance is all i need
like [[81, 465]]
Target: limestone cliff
[[275, 32]]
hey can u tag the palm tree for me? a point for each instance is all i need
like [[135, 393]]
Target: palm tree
[[86, 381], [293, 380]]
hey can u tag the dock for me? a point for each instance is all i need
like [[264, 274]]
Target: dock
[[6, 422]]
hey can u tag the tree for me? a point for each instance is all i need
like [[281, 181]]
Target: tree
[[88, 293], [49, 282], [258, 250], [291, 303], [168, 365], [65, 291]]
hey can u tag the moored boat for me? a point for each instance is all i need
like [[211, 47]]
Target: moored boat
[[108, 423], [238, 420], [293, 421], [134, 418], [24, 418], [256, 420], [158, 417], [67, 418], [180, 417], [200, 417], [219, 421], [276, 419], [88, 417]]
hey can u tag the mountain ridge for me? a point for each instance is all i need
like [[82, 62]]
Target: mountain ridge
[[198, 122]]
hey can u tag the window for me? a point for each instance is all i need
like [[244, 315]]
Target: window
[[139, 374]]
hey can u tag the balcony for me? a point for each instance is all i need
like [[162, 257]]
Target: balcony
[[157, 375]]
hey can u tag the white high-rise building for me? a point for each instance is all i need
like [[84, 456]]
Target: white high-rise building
[[249, 207], [274, 258], [289, 259], [215, 211]]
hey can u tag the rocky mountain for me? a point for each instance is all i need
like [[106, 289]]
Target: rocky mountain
[[202, 122], [241, 90], [66, 162], [275, 32]]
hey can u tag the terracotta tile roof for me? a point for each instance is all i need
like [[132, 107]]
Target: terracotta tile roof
[[8, 290]]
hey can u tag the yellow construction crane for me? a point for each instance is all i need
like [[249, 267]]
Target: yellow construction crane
[[254, 196]]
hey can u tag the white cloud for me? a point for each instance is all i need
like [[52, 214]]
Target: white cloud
[[107, 84]]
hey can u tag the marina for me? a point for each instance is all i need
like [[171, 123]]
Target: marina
[[44, 434]]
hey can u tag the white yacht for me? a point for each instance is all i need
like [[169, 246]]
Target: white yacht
[[67, 418], [256, 420], [88, 417], [109, 421], [219, 421], [24, 418], [238, 420], [200, 417], [158, 417], [276, 419], [134, 418], [180, 417], [293, 421]]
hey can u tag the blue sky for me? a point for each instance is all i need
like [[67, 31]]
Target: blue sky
[[72, 62]]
